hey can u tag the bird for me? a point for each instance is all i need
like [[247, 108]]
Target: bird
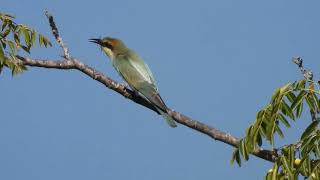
[[135, 72]]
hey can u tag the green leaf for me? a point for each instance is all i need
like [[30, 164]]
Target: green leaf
[[299, 99], [46, 42], [291, 155], [305, 166], [27, 37], [14, 68], [317, 151], [248, 130], [259, 139], [291, 96], [275, 171], [9, 64], [262, 130], [283, 120], [275, 95], [41, 40], [2, 57], [6, 16], [257, 125], [315, 170], [286, 110], [299, 110], [308, 145], [311, 102], [26, 49], [6, 32], [315, 99], [269, 176], [4, 25], [33, 38], [16, 37], [3, 43], [17, 68], [271, 127], [236, 156], [301, 84], [311, 128], [278, 130], [285, 88], [12, 47], [243, 149], [250, 137], [287, 167]]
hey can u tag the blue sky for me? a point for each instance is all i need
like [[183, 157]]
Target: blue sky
[[216, 61]]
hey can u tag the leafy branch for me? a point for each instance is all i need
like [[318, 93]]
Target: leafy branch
[[286, 105], [14, 37]]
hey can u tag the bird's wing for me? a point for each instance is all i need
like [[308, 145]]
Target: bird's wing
[[141, 66], [139, 77]]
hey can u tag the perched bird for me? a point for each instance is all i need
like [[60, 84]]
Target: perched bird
[[135, 72]]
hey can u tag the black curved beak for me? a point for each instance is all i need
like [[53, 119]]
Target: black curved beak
[[97, 41]]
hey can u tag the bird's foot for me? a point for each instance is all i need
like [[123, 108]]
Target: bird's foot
[[125, 85]]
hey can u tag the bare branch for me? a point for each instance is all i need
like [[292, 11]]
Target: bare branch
[[308, 76], [56, 34], [129, 94]]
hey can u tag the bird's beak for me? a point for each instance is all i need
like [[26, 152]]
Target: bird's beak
[[97, 41]]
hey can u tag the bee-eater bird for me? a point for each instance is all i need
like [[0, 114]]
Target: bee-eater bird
[[135, 72]]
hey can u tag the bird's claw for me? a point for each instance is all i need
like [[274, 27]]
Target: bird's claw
[[125, 85]]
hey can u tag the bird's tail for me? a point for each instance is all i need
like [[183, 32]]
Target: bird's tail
[[168, 118]]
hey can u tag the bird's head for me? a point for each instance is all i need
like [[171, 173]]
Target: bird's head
[[109, 45]]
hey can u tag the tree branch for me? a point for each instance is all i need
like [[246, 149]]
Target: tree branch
[[129, 94], [308, 76], [56, 34]]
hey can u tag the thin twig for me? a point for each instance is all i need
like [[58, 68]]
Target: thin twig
[[308, 76], [56, 34]]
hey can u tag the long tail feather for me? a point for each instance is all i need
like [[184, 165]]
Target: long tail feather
[[168, 118]]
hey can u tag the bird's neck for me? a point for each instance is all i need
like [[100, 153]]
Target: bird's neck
[[108, 52]]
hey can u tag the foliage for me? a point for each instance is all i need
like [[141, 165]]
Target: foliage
[[14, 37], [286, 105]]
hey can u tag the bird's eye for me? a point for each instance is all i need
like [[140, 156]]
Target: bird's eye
[[108, 45]]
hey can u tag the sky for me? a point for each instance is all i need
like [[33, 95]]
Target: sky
[[215, 61]]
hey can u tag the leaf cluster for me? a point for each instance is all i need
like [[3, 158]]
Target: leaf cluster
[[286, 106], [14, 37]]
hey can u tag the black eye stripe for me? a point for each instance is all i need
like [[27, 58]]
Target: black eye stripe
[[108, 45]]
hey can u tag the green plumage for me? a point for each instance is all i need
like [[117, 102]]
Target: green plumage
[[136, 73]]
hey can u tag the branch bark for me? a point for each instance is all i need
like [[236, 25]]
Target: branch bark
[[56, 35]]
